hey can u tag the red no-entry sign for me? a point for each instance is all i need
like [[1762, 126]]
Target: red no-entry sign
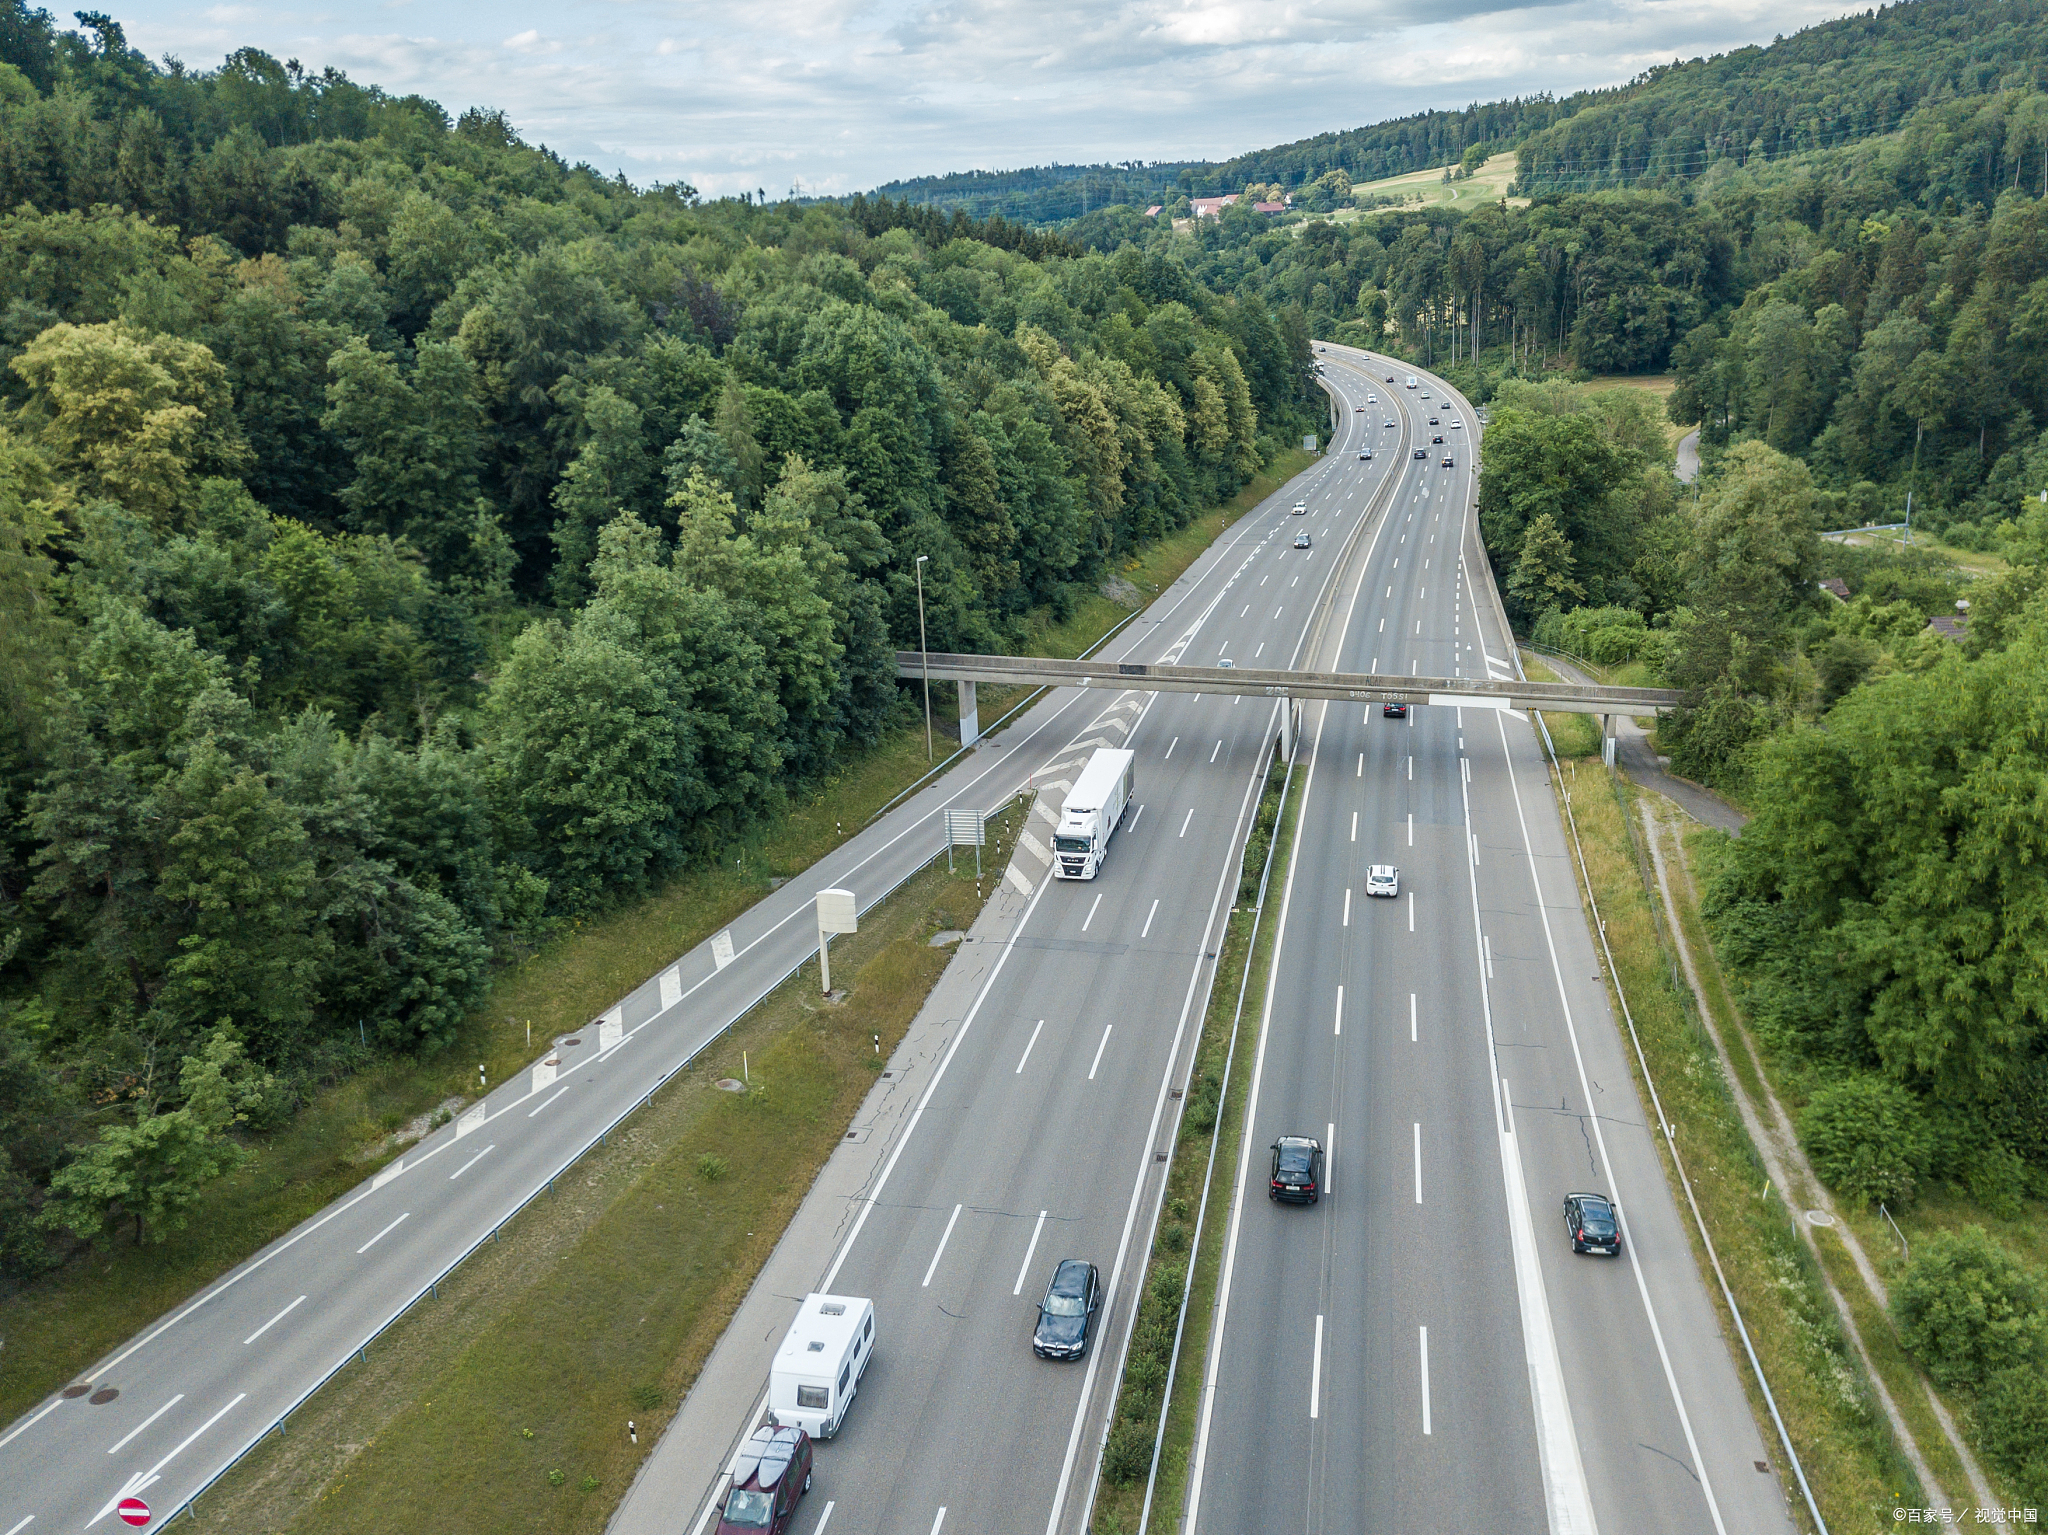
[[132, 1511]]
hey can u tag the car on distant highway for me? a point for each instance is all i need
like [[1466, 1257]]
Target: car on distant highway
[[1439, 437], [1067, 1314], [1456, 424], [1383, 879], [1358, 408], [1227, 664], [1365, 453], [1300, 509], [1301, 539], [1372, 399], [1592, 1224], [1434, 422], [1390, 378], [769, 1479], [1422, 453], [1390, 424], [1393, 711], [1447, 462], [1297, 1175]]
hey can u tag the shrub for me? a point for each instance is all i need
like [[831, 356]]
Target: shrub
[[1967, 1309], [1605, 636], [711, 1167], [2012, 1428], [1868, 1138], [1128, 1455]]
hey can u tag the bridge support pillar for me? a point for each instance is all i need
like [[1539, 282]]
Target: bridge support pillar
[[1607, 741], [970, 715], [1288, 708]]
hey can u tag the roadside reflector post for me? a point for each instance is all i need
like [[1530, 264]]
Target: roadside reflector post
[[836, 914]]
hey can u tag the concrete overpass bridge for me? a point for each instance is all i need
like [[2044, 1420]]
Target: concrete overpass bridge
[[1350, 687]]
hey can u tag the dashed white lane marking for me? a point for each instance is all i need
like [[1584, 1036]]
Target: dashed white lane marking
[[1027, 1051], [259, 1332], [380, 1236], [1025, 1268], [932, 1267]]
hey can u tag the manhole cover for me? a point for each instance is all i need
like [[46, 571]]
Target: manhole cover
[[1819, 1218], [572, 1041], [75, 1391], [553, 1060], [104, 1395]]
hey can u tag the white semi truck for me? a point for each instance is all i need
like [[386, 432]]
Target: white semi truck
[[1095, 808]]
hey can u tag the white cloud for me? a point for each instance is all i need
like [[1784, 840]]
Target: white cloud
[[849, 93]]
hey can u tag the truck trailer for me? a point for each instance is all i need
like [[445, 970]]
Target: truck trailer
[[1095, 808]]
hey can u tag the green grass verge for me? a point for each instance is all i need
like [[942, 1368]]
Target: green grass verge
[[1211, 1114], [1856, 1471], [503, 1401]]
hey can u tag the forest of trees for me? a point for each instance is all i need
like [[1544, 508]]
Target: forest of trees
[[409, 541]]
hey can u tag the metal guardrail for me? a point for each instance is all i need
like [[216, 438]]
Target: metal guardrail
[[1356, 687]]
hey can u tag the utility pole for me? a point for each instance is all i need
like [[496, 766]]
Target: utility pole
[[926, 653]]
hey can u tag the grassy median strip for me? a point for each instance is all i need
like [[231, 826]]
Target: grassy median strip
[[503, 1402], [1856, 1471], [1214, 1117]]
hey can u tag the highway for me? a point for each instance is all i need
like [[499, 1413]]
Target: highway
[[1039, 1135], [1421, 1349], [166, 1412]]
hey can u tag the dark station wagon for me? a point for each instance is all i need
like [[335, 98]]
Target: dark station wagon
[[769, 1479], [1592, 1223]]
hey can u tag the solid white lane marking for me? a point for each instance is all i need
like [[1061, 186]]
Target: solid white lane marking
[[1315, 1379], [1347, 906], [259, 1332], [380, 1236], [1218, 748], [1340, 1011], [1487, 943], [538, 1107], [51, 1407], [466, 1166], [1147, 933], [1028, 1044], [123, 1440], [1600, 1140], [1425, 1380], [1091, 911], [1354, 823], [1411, 1017], [1184, 822], [933, 1265], [1099, 1049], [1169, 749], [1025, 1268], [1507, 1105], [1418, 1163]]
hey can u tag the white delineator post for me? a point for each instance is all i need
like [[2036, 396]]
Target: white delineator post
[[836, 914]]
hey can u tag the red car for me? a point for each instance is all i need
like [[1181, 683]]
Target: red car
[[769, 1479]]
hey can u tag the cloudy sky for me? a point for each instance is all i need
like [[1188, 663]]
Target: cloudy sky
[[840, 95]]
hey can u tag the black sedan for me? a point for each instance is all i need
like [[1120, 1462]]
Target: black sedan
[[1592, 1224], [1066, 1316], [1297, 1169], [1422, 453], [1393, 711]]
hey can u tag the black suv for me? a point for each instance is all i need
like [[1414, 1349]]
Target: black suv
[[1067, 1314], [1592, 1223], [1297, 1169]]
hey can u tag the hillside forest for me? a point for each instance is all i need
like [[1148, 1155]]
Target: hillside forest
[[410, 542]]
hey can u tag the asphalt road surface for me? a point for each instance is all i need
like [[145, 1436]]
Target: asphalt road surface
[[1422, 1349]]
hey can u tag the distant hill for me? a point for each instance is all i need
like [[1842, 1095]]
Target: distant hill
[[1829, 85]]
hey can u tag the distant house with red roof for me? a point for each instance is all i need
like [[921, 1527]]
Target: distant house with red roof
[[1269, 207], [1212, 207], [1155, 210]]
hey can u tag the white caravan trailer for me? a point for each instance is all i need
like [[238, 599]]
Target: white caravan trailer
[[818, 1368]]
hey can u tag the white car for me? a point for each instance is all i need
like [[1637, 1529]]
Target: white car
[[1390, 424], [1383, 879], [1456, 424], [1372, 399], [1301, 509]]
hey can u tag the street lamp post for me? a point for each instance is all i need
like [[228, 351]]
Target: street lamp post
[[923, 651]]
